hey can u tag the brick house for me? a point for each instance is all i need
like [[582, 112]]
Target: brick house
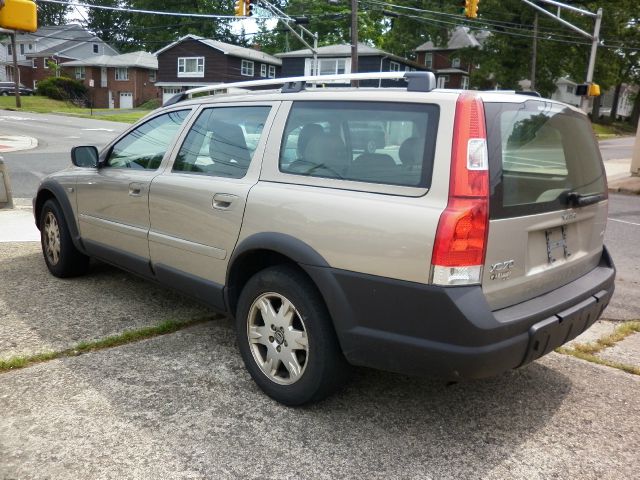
[[336, 59], [38, 51], [117, 81], [450, 69], [194, 61]]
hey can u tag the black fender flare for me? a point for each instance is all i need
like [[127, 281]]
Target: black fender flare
[[58, 193]]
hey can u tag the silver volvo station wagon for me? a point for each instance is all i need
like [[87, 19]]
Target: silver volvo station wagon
[[410, 229]]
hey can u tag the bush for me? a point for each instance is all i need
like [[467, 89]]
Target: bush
[[61, 88]]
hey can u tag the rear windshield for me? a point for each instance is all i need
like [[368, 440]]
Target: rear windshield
[[540, 155], [375, 142]]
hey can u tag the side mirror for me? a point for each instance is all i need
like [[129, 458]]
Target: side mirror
[[85, 156]]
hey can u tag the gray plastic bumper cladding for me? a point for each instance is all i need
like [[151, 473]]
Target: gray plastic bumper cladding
[[451, 331]]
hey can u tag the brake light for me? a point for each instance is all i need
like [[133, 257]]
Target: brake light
[[460, 245]]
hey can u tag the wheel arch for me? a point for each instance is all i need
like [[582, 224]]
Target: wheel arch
[[263, 250], [50, 190]]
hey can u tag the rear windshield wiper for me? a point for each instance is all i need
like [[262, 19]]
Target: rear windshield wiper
[[576, 199]]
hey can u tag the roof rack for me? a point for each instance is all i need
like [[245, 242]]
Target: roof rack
[[529, 93], [417, 82]]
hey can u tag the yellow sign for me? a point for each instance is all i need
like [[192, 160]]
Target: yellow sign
[[594, 90], [19, 15]]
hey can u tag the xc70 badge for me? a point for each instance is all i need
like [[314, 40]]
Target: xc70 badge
[[501, 270]]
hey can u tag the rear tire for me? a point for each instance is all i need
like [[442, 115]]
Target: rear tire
[[63, 259], [286, 337]]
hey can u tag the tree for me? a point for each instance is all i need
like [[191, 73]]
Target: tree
[[112, 26], [52, 13]]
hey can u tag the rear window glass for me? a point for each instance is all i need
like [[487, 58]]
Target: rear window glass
[[539, 152], [375, 142]]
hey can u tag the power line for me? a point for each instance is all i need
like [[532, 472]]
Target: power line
[[152, 12]]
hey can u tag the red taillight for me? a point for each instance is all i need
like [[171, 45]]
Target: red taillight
[[460, 244]]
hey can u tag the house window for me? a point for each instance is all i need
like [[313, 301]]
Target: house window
[[455, 63], [34, 63], [22, 49], [394, 67], [122, 74], [263, 70], [465, 83], [50, 61], [96, 48], [191, 67], [571, 89], [246, 68], [272, 71], [428, 60], [152, 75], [30, 46], [9, 51], [443, 81], [80, 73]]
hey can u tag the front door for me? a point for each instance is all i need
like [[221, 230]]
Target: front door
[[197, 205], [113, 201]]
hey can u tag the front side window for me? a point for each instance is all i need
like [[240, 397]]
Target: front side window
[[394, 67], [144, 147], [272, 71], [95, 48], [570, 89], [538, 153], [122, 74], [222, 141], [376, 142], [465, 83], [455, 63], [22, 49], [246, 68], [80, 73], [443, 81], [263, 70], [191, 67], [152, 75]]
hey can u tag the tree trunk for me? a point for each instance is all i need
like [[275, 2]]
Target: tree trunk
[[614, 105]]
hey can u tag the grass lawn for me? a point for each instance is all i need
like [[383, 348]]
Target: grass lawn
[[613, 130], [46, 105]]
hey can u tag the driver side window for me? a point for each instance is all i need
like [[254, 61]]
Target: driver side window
[[144, 147]]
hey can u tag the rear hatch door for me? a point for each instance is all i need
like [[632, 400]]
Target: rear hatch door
[[548, 204]]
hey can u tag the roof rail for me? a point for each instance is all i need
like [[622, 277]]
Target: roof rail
[[529, 93], [417, 82]]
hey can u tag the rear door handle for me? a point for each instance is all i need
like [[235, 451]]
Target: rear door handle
[[135, 189], [223, 201]]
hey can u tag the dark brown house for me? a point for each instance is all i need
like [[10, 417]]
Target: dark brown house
[[194, 61], [445, 61]]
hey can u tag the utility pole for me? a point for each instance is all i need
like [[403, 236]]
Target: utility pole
[[354, 40], [595, 37], [534, 53], [16, 71]]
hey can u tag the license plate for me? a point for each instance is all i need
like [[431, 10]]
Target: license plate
[[557, 248]]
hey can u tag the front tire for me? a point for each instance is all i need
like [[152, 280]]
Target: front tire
[[63, 259], [286, 337]]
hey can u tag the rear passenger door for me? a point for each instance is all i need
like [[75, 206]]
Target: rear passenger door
[[196, 206]]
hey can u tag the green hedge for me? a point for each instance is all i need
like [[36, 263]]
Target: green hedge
[[61, 88]]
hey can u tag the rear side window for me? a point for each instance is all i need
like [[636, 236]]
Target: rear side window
[[375, 142], [222, 141], [539, 154]]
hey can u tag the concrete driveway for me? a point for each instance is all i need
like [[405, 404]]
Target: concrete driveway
[[182, 405]]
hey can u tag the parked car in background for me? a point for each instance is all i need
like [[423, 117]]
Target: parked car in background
[[9, 88]]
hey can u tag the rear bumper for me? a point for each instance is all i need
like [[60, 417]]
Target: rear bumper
[[451, 331]]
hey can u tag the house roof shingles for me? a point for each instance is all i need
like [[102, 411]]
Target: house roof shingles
[[138, 59]]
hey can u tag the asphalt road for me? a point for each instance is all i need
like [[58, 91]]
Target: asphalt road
[[616, 148], [56, 134]]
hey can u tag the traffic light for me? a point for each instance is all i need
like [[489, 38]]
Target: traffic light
[[471, 8], [248, 8], [588, 90], [238, 8], [18, 15]]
